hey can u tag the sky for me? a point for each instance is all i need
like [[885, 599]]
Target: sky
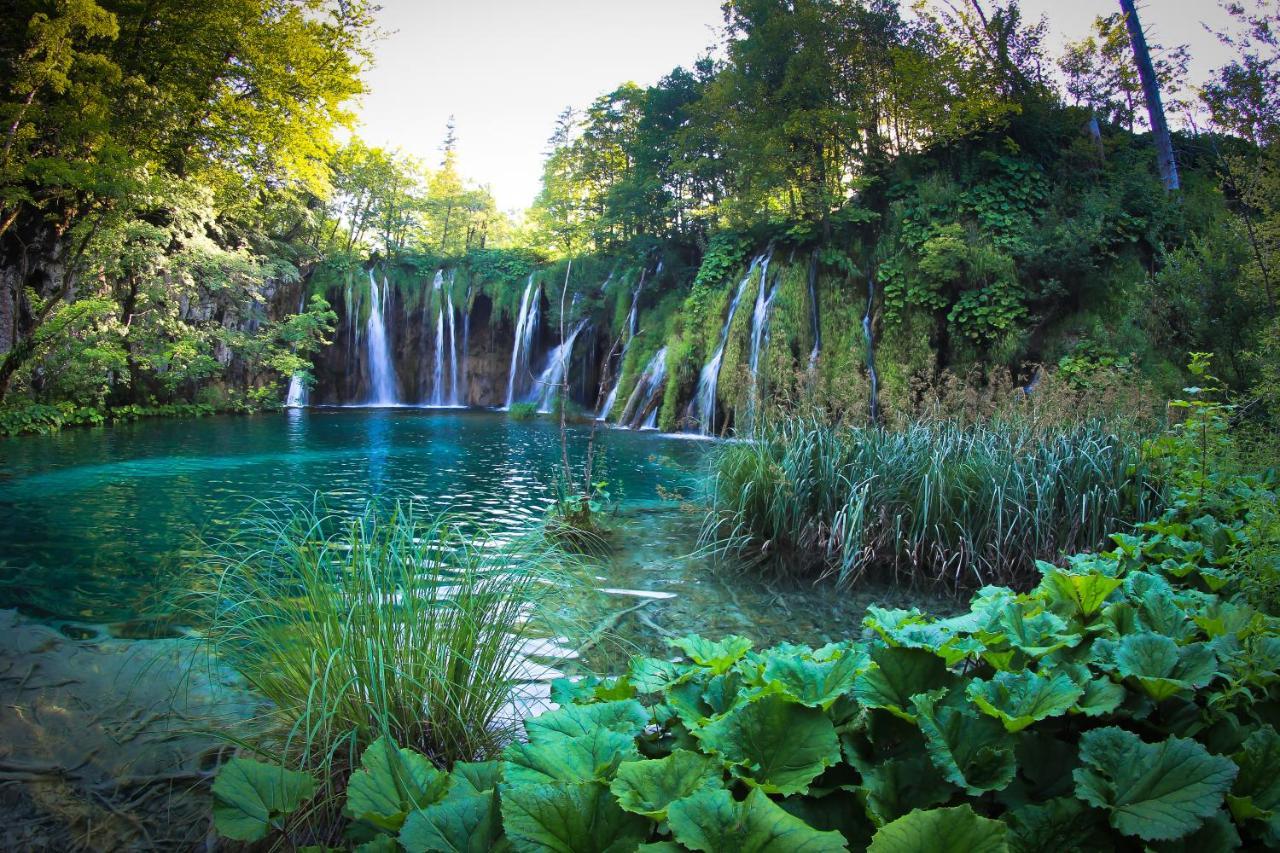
[[504, 69]]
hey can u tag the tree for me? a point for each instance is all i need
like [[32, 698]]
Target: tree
[[1151, 94], [114, 104]]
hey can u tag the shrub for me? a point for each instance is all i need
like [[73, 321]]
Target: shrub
[[931, 502], [523, 411], [393, 626], [1118, 705]]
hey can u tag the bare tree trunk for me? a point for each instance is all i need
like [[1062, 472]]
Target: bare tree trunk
[[1151, 93]]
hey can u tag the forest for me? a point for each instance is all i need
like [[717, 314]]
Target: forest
[[865, 440]]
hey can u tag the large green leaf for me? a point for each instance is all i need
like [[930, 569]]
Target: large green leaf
[[250, 797], [896, 675], [648, 787], [1255, 796], [578, 759], [392, 782], [1061, 825], [1154, 791], [474, 777], [1019, 699], [955, 830], [627, 716], [1079, 594], [569, 818], [815, 683], [1162, 667], [895, 786], [718, 655], [774, 743], [712, 821], [1035, 634], [464, 824], [651, 675], [971, 751]]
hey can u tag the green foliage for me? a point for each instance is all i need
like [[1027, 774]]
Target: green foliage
[[523, 411], [252, 798], [298, 602], [965, 505], [1129, 698]]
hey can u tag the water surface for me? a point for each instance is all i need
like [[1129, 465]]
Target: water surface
[[96, 524]]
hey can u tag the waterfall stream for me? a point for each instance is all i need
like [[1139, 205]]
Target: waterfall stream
[[633, 321], [703, 406], [759, 333], [526, 328], [296, 398], [553, 375], [382, 371], [641, 410]]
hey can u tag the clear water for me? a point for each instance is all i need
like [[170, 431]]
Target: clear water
[[95, 525]]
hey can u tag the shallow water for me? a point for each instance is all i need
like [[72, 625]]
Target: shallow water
[[95, 524], [109, 734]]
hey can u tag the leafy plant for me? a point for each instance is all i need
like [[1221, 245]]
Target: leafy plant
[[935, 501], [386, 628], [523, 411]]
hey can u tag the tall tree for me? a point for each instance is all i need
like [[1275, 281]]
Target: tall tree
[[1165, 160]]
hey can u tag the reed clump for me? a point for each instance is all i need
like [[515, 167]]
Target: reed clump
[[387, 624], [934, 502]]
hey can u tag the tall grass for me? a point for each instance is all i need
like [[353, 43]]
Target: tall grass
[[386, 624], [932, 502]]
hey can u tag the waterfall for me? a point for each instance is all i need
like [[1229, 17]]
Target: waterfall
[[437, 379], [461, 393], [760, 319], [703, 405], [453, 357], [642, 410], [814, 317], [526, 328], [382, 372], [296, 398], [553, 375], [633, 326], [871, 348]]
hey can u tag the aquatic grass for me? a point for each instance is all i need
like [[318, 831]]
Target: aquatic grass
[[933, 502], [387, 624]]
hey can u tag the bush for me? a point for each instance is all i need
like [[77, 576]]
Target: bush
[[932, 502], [523, 411], [1120, 704]]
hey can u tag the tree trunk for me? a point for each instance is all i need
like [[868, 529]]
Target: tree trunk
[[1151, 93]]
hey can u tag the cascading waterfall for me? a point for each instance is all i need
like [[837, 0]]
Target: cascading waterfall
[[526, 328], [703, 406], [466, 344], [553, 375], [296, 398], [760, 325], [871, 348], [453, 351], [633, 321], [641, 410], [382, 371], [437, 379]]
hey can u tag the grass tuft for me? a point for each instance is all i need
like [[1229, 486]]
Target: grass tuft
[[933, 502], [386, 624]]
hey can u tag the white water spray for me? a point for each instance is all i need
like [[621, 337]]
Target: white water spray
[[382, 372]]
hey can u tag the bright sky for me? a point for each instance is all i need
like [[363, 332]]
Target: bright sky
[[505, 68]]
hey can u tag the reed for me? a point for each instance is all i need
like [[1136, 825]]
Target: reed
[[933, 502], [385, 624]]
